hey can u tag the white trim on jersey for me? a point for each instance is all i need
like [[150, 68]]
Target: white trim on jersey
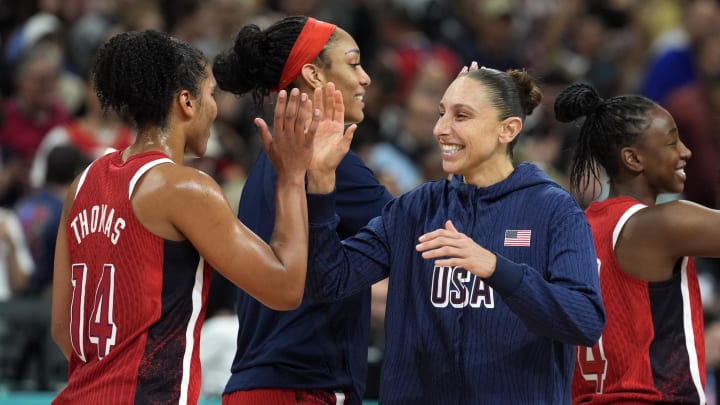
[[142, 170], [687, 309], [190, 331], [689, 333], [82, 179], [623, 219]]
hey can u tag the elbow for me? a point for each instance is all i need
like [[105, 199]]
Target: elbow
[[594, 329], [290, 300]]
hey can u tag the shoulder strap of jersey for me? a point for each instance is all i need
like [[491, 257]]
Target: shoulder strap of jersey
[[623, 220], [142, 170], [82, 179]]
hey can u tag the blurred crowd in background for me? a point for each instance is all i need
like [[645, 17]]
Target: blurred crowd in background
[[51, 124]]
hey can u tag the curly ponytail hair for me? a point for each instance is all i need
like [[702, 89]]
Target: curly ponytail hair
[[137, 74]]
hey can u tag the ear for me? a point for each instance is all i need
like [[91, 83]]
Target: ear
[[630, 159], [509, 129], [312, 75], [186, 103]]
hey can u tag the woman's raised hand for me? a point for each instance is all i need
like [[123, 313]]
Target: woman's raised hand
[[295, 124], [332, 139]]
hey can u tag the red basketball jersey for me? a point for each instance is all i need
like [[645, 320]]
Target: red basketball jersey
[[138, 300], [652, 349]]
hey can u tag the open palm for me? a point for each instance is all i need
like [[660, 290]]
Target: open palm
[[332, 140]]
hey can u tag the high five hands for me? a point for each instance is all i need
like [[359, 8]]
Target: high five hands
[[294, 123], [309, 135], [332, 140]]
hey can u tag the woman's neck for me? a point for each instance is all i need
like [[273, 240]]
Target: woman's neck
[[156, 139]]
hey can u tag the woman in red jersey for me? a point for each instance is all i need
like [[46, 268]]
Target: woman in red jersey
[[140, 230], [651, 350]]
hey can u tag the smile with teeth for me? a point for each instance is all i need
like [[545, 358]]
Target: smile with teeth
[[450, 148], [681, 172], [359, 98]]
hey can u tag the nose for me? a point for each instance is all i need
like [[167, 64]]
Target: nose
[[440, 127], [364, 78], [685, 152]]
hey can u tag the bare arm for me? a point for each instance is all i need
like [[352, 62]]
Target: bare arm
[[656, 237], [196, 208], [62, 286], [275, 273]]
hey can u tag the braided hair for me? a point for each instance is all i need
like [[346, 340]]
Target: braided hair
[[608, 126]]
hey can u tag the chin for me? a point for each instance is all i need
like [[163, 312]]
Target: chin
[[354, 118]]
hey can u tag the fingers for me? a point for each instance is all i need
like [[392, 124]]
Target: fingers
[[280, 106], [313, 126], [473, 67], [265, 135], [329, 101], [449, 226], [338, 106], [318, 101], [302, 116]]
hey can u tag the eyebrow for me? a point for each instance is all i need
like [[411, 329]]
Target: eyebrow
[[458, 106], [354, 50]]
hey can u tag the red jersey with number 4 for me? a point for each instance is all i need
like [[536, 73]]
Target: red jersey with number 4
[[652, 349], [138, 300]]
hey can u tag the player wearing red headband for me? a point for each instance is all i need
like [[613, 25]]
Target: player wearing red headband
[[316, 354]]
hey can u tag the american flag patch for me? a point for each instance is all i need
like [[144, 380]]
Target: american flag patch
[[514, 237]]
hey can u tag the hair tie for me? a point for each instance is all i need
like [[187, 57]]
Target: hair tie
[[307, 47]]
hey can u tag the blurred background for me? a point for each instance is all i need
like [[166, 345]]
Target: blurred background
[[51, 125]]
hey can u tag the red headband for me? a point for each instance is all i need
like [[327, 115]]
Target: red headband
[[307, 47]]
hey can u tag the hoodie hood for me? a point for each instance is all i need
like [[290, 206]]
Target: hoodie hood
[[525, 175]]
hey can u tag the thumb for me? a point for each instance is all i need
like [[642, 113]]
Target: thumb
[[349, 134]]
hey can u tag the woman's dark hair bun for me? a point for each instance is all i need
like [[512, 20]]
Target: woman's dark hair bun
[[239, 69], [575, 101]]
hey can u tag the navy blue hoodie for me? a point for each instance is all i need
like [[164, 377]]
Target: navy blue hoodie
[[451, 337], [318, 345]]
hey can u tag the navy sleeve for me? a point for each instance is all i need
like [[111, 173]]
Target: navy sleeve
[[359, 195], [339, 269], [565, 303]]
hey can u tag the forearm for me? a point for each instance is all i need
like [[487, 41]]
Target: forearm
[[340, 269], [561, 301], [564, 311], [289, 240]]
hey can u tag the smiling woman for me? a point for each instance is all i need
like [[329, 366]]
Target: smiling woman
[[141, 232], [318, 351], [493, 275], [652, 348]]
